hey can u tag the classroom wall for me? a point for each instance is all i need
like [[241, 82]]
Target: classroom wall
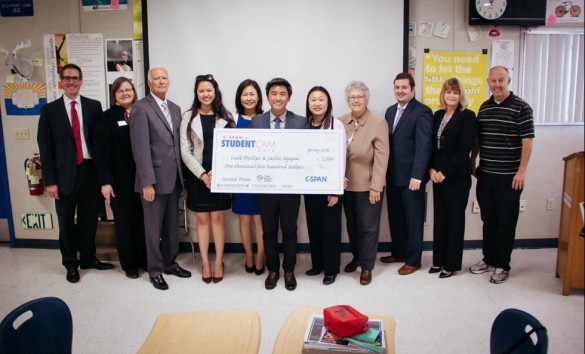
[[544, 176]]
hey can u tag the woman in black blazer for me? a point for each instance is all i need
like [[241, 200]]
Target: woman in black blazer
[[116, 170], [453, 137]]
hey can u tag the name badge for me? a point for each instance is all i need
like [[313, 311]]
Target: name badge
[[122, 123]]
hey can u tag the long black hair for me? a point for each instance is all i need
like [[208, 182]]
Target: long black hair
[[327, 118], [217, 105]]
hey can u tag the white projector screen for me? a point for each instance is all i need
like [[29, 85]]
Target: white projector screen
[[307, 42]]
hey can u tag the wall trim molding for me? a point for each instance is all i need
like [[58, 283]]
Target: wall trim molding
[[551, 242]]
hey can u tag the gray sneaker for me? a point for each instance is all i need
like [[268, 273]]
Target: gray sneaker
[[500, 275], [480, 268]]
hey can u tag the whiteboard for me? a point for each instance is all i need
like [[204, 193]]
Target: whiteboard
[[307, 42]]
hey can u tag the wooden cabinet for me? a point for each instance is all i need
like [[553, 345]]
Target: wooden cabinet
[[570, 265]]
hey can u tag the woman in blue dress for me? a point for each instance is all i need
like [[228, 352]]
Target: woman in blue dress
[[249, 104]]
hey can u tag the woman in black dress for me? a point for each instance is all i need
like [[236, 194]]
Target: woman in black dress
[[207, 113]]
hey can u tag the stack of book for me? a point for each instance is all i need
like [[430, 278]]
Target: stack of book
[[318, 340]]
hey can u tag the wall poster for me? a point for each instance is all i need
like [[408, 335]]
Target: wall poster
[[469, 67]]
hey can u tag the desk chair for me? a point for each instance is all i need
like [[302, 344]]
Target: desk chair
[[39, 326], [291, 335], [515, 331], [222, 331]]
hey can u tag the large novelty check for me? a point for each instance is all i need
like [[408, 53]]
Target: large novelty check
[[290, 161]]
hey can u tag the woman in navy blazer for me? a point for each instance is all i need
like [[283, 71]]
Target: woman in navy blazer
[[453, 136]]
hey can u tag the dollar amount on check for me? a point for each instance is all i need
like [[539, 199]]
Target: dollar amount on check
[[290, 161]]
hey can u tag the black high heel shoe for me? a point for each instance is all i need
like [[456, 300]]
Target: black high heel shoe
[[259, 271], [249, 269]]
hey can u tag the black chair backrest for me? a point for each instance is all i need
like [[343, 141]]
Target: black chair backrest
[[512, 332], [39, 326]]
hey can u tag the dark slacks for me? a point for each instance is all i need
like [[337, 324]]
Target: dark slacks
[[81, 237], [280, 209], [363, 226], [324, 226], [499, 205], [449, 204], [406, 215], [161, 225], [129, 223]]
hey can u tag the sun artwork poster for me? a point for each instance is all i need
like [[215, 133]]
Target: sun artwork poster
[[24, 99]]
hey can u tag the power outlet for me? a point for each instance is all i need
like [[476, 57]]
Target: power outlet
[[522, 205], [475, 207], [550, 204], [21, 134]]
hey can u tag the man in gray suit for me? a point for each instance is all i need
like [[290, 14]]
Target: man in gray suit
[[279, 207], [154, 133]]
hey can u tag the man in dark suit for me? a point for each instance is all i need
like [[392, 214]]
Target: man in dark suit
[[65, 138], [154, 134], [283, 208], [411, 127]]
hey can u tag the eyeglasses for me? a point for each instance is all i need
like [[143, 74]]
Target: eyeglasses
[[124, 91], [71, 78], [207, 77], [356, 98]]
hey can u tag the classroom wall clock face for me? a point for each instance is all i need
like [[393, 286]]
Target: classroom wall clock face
[[490, 9]]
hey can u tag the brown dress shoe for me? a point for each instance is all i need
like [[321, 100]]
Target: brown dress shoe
[[290, 282], [366, 277], [406, 269], [392, 259], [271, 280]]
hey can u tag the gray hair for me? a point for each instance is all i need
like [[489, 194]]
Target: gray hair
[[155, 68], [357, 85]]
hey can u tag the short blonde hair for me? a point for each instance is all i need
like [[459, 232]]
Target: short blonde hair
[[455, 85]]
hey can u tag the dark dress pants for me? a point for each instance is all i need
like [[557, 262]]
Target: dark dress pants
[[85, 198], [363, 226], [449, 204], [499, 205], [280, 209], [406, 215], [161, 225], [129, 224], [324, 226]]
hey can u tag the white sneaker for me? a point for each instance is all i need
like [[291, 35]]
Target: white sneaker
[[480, 268], [500, 275]]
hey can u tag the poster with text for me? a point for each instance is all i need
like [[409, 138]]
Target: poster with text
[[83, 49], [469, 67]]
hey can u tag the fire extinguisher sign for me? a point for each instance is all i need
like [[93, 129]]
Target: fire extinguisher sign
[[36, 221]]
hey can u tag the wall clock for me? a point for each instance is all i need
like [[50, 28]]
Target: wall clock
[[490, 9]]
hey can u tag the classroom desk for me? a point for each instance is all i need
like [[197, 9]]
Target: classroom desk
[[222, 331]]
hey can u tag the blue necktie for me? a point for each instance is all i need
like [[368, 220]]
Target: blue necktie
[[277, 123]]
